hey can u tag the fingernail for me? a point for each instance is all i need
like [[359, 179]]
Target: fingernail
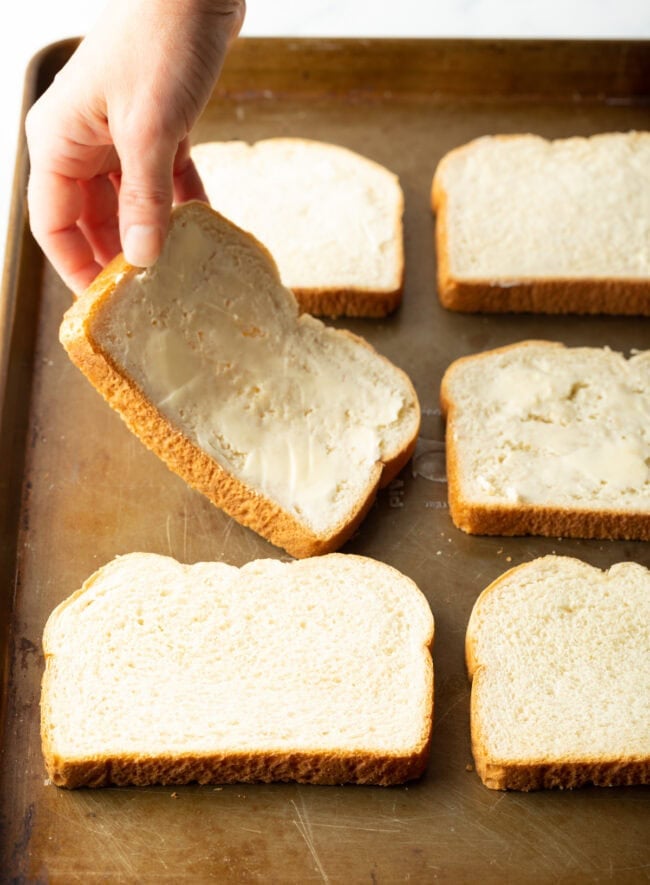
[[142, 244]]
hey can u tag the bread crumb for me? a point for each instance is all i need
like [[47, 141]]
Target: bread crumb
[[499, 551], [217, 789], [508, 558], [174, 795], [438, 552], [469, 767]]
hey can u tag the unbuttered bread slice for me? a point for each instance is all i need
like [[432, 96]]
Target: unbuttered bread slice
[[317, 671], [331, 218], [544, 439], [286, 424], [559, 657], [526, 224]]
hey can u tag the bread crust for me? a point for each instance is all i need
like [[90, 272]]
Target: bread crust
[[182, 456], [526, 519], [351, 302], [551, 295], [540, 774], [306, 767]]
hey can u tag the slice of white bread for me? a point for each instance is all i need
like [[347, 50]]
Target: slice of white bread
[[559, 657], [316, 670], [544, 439], [331, 218], [526, 224], [286, 424]]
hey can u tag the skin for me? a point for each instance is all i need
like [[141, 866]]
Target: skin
[[109, 140]]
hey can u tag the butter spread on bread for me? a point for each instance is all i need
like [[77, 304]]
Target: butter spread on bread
[[288, 425], [550, 440]]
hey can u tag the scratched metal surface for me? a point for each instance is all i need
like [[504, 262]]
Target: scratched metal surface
[[78, 489]]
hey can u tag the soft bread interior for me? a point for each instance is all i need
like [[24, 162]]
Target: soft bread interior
[[331, 218], [560, 656], [522, 207], [152, 657]]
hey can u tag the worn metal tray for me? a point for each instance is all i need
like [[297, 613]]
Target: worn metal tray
[[77, 488]]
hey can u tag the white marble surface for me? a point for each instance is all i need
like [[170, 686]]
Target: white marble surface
[[34, 24]]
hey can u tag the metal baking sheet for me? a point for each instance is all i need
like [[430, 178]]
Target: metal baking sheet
[[78, 488]]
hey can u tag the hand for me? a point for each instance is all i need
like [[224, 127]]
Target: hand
[[109, 140]]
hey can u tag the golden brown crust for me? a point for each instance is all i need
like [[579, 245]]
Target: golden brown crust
[[312, 767], [527, 519], [335, 303], [565, 775], [629, 297], [201, 472]]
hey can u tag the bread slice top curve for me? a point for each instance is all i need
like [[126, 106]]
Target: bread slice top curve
[[316, 670], [550, 434], [526, 223], [559, 655], [288, 425], [331, 218]]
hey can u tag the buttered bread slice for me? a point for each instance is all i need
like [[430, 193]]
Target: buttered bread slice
[[286, 424], [549, 440]]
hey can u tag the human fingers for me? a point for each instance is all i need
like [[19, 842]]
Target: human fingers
[[150, 126], [232, 13], [67, 148], [145, 194], [98, 219], [55, 203], [187, 182]]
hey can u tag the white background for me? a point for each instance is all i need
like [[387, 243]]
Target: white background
[[33, 24]]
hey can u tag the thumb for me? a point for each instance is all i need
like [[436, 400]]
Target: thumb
[[145, 199]]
